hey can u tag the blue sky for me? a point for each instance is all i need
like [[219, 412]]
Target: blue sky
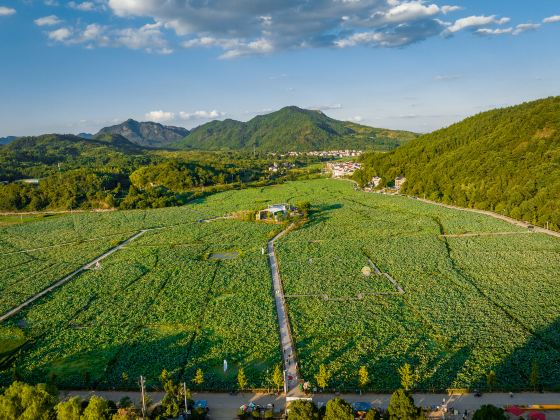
[[73, 66]]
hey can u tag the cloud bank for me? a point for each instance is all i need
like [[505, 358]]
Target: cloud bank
[[237, 28]]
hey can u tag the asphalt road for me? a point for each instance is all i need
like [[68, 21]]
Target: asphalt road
[[225, 406]]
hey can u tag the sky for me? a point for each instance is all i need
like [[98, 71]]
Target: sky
[[77, 66]]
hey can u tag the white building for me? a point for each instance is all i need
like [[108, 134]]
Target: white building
[[375, 181], [399, 181]]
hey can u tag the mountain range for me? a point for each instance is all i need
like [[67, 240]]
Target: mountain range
[[291, 129], [505, 160], [288, 129], [147, 134]]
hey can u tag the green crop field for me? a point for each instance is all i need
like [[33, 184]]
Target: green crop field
[[187, 295]]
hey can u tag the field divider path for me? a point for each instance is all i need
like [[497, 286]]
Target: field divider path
[[69, 277], [510, 220], [286, 340], [89, 265], [377, 271]]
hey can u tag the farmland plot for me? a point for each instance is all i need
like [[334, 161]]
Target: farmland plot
[[160, 303], [170, 300]]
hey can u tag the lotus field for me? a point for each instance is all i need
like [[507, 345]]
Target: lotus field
[[479, 294]]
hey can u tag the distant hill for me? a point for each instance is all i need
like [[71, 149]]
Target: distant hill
[[505, 160], [148, 134], [87, 136], [291, 129], [37, 156], [6, 140]]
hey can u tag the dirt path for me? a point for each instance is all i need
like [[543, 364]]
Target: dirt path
[[494, 215], [69, 277], [287, 344]]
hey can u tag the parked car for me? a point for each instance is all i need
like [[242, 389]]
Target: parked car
[[361, 408]]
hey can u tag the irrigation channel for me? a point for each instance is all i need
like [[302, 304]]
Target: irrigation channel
[[291, 378]]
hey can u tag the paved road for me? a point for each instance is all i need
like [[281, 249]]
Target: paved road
[[288, 349], [224, 406], [69, 277]]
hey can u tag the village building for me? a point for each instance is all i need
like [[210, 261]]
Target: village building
[[399, 181], [343, 169], [375, 181], [276, 212]]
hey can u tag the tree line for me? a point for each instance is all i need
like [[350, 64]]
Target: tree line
[[505, 160]]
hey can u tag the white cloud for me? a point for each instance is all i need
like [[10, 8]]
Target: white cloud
[[147, 37], [86, 6], [497, 31], [234, 47], [450, 9], [519, 29], [201, 115], [160, 116], [410, 11], [325, 107], [48, 21], [552, 19], [60, 35], [476, 21], [242, 27], [524, 27], [7, 11], [358, 118]]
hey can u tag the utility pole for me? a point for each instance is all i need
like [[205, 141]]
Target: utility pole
[[185, 395], [143, 397]]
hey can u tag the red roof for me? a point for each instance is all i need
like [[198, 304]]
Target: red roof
[[515, 410]]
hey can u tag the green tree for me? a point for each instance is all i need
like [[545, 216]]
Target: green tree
[[363, 377], [338, 409], [323, 377], [534, 378], [241, 379], [373, 414], [278, 377], [199, 377], [172, 400], [489, 412], [491, 380], [27, 402], [97, 409], [124, 414], [302, 410], [69, 410], [407, 377], [164, 377], [124, 378], [401, 407]]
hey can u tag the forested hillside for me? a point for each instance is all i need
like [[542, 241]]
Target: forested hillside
[[505, 160], [110, 171], [291, 129], [148, 134]]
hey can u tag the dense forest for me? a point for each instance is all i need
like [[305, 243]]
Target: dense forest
[[111, 172], [505, 160], [292, 129]]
